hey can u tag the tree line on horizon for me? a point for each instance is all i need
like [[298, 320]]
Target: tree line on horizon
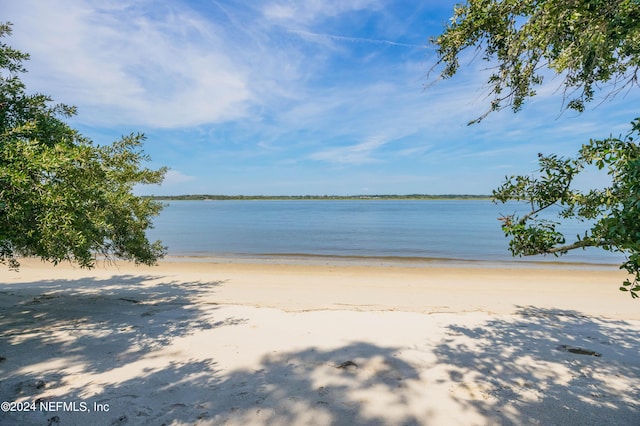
[[201, 197]]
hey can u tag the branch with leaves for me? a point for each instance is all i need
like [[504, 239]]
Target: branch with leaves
[[62, 198], [590, 45], [588, 42], [614, 211]]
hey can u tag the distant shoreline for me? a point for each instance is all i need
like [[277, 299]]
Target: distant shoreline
[[203, 197]]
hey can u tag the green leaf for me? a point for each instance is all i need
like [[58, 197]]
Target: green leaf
[[588, 44], [63, 198]]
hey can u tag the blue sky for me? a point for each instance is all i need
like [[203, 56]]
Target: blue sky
[[292, 97]]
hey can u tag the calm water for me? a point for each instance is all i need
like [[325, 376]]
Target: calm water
[[409, 229]]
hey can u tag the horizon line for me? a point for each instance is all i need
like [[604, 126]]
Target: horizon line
[[412, 195]]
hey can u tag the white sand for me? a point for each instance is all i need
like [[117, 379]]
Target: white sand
[[242, 344]]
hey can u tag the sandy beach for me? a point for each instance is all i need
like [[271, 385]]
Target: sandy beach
[[213, 343]]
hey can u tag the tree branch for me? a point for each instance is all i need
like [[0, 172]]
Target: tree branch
[[577, 245]]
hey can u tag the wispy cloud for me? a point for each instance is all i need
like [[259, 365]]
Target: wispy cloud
[[176, 177], [311, 36], [277, 95], [172, 179], [121, 65], [314, 10], [354, 154]]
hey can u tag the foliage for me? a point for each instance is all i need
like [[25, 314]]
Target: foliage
[[61, 196], [614, 210], [588, 42], [591, 44]]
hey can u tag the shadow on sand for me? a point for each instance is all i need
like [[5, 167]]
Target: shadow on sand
[[60, 341], [55, 333], [546, 367], [511, 370]]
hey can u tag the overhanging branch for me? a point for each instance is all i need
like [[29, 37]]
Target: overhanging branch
[[577, 245]]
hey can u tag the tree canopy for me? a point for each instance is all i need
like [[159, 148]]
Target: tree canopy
[[63, 198], [593, 45], [590, 43]]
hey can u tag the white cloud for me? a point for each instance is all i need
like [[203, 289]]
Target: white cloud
[[175, 177], [279, 84], [175, 182], [312, 10], [120, 65], [311, 36], [279, 11], [353, 154]]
